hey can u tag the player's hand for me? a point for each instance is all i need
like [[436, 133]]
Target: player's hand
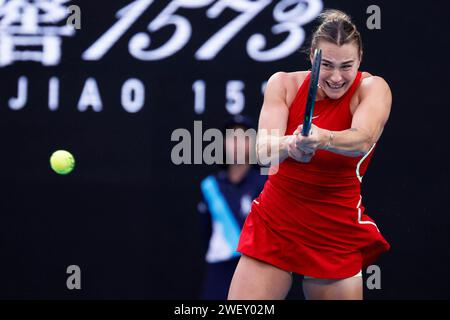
[[315, 139], [297, 154]]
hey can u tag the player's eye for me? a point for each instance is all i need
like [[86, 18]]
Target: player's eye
[[346, 67]]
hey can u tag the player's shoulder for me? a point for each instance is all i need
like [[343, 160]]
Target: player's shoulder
[[286, 81], [286, 77], [372, 85], [370, 82]]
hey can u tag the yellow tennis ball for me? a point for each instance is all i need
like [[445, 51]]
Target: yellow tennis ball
[[62, 162]]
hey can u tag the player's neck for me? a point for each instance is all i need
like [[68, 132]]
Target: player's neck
[[321, 95]]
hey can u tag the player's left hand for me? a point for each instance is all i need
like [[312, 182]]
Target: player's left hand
[[315, 140]]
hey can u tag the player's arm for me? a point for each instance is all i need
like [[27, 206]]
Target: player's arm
[[271, 143], [272, 146], [368, 121]]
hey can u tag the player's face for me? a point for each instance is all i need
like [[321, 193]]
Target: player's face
[[338, 70]]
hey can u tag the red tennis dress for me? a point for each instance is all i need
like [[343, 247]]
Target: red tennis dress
[[309, 218]]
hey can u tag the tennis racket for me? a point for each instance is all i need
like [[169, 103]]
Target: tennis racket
[[312, 91]]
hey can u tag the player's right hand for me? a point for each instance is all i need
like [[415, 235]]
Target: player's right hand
[[297, 154]]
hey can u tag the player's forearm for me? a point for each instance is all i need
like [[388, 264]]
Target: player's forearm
[[351, 142], [271, 150]]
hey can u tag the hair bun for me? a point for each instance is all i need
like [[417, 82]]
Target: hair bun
[[334, 15]]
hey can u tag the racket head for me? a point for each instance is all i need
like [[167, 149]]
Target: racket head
[[312, 92]]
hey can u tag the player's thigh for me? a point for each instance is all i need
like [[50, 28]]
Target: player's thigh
[[343, 289], [257, 280]]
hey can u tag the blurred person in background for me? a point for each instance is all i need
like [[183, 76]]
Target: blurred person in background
[[227, 196]]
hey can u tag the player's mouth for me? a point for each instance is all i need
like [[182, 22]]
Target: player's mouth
[[335, 86]]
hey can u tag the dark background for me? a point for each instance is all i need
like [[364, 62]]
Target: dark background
[[127, 215]]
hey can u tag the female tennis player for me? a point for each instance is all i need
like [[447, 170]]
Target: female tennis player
[[309, 219]]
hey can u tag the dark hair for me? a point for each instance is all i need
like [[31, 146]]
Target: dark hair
[[336, 27]]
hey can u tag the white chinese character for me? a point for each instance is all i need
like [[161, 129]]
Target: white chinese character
[[31, 30]]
